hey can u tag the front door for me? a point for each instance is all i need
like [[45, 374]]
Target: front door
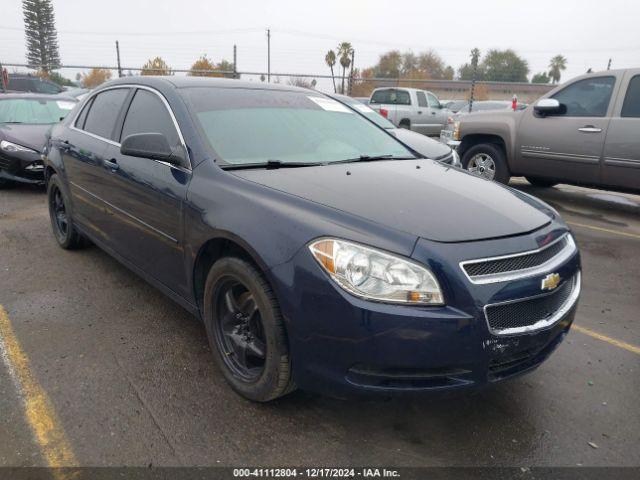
[[567, 146], [147, 196]]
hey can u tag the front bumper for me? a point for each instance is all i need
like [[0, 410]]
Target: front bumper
[[345, 346], [446, 137], [23, 167]]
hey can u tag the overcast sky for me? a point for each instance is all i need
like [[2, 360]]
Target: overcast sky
[[587, 32]]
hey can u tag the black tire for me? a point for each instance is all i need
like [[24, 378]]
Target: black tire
[[496, 154], [271, 378], [62, 225], [541, 182], [406, 124]]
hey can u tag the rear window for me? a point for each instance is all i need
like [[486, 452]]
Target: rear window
[[631, 106], [391, 96], [102, 117]]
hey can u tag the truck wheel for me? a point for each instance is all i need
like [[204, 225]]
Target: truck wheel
[[246, 331], [487, 161], [406, 124], [541, 182]]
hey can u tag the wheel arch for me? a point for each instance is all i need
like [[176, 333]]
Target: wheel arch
[[472, 140]]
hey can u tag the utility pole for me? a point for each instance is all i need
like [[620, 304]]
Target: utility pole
[[475, 56], [268, 55], [2, 79], [118, 55], [353, 56], [609, 65], [235, 58]]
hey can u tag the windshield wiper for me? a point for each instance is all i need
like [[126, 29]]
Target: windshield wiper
[[270, 165], [372, 158]]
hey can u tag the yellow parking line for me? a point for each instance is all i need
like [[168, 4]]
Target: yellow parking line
[[608, 230], [618, 343], [39, 411]]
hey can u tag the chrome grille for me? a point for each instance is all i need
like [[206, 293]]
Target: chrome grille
[[519, 265], [533, 313]]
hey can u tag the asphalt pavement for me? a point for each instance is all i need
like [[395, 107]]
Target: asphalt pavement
[[100, 369]]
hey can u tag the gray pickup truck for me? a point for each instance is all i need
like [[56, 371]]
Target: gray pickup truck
[[411, 108], [584, 132]]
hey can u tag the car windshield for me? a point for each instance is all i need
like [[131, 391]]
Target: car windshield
[[254, 126], [34, 110], [365, 111]]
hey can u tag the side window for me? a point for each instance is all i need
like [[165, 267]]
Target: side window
[[631, 105], [148, 114], [101, 119], [587, 98], [19, 84], [433, 101], [46, 87], [403, 97], [83, 115], [422, 99], [382, 96]]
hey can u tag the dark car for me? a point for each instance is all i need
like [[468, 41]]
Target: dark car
[[317, 250], [421, 144], [32, 84], [24, 122]]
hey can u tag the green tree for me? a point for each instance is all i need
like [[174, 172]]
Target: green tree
[[431, 65], [504, 66], [345, 50], [41, 34], [541, 77], [156, 66], [389, 65], [556, 66], [330, 60]]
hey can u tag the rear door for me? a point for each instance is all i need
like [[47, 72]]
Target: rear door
[[568, 146], [83, 149], [437, 114], [422, 118], [621, 166], [147, 195]]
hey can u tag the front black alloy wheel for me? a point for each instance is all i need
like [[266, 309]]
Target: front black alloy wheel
[[246, 330], [64, 231]]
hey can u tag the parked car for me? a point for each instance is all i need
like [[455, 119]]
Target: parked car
[[421, 144], [410, 108], [317, 250], [76, 92], [25, 119], [364, 100], [30, 83], [486, 106], [584, 132], [454, 105]]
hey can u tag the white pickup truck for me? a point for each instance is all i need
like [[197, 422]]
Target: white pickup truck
[[417, 110]]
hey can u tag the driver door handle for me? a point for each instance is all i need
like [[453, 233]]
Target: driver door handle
[[590, 129], [111, 164]]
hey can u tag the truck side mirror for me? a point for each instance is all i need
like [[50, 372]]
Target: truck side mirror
[[549, 106]]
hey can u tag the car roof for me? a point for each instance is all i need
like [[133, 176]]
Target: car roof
[[36, 96], [187, 81]]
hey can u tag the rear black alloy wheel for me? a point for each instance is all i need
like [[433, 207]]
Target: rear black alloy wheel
[[61, 222], [239, 330], [246, 330]]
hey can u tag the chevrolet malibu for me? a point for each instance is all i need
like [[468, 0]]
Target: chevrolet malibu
[[319, 252]]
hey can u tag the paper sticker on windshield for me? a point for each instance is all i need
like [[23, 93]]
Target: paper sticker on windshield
[[363, 108], [329, 104], [65, 105]]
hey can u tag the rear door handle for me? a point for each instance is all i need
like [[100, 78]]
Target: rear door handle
[[590, 129], [419, 112], [112, 164]]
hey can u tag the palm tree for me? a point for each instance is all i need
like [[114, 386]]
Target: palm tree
[[556, 66], [330, 59], [344, 51]]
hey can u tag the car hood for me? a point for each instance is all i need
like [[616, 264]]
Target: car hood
[[422, 144], [434, 201], [27, 135]]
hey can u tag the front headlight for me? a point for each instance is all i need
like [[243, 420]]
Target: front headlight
[[456, 131], [376, 275], [14, 147]]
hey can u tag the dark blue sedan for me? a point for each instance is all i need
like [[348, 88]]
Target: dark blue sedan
[[318, 250]]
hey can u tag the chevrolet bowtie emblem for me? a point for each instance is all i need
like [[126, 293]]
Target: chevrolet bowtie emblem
[[551, 281]]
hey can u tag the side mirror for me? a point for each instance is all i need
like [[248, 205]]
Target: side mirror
[[150, 145], [549, 106]]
